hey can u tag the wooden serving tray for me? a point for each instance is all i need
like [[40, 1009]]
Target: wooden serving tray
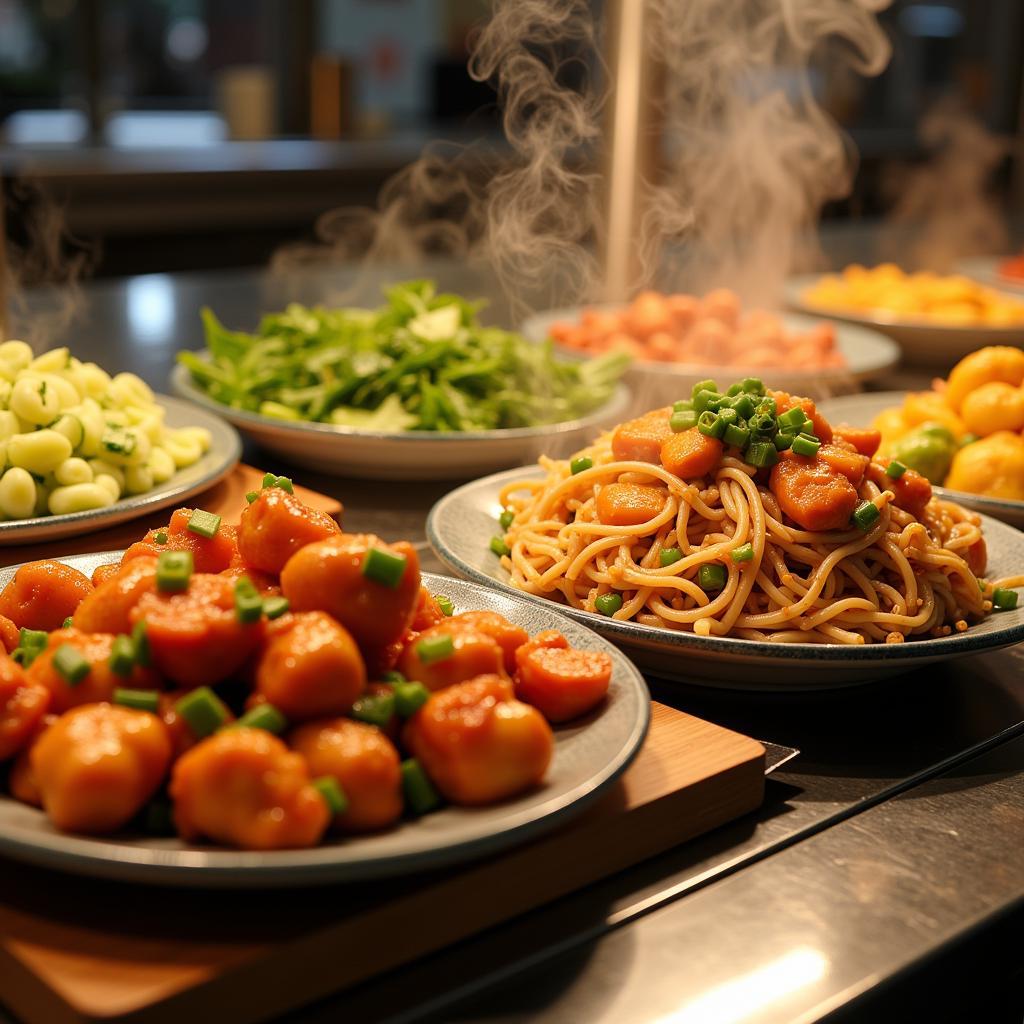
[[79, 950]]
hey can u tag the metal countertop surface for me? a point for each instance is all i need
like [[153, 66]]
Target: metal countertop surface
[[891, 844]]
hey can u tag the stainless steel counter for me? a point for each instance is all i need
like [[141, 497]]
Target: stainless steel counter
[[883, 867]]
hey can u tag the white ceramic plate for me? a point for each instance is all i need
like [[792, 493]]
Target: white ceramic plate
[[408, 455], [461, 525], [222, 457], [924, 342], [860, 410], [986, 270], [868, 355], [590, 754]]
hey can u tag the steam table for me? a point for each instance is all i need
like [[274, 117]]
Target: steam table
[[882, 877]]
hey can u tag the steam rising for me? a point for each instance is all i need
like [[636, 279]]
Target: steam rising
[[946, 202], [748, 156]]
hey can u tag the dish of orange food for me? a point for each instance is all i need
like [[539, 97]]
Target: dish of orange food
[[285, 701]]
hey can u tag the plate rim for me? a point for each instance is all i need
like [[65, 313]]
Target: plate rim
[[881, 341], [136, 505], [654, 637], [182, 383], [224, 867]]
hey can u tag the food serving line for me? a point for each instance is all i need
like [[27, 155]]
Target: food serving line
[[885, 848]]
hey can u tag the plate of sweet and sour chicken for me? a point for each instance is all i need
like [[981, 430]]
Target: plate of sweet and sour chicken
[[282, 702]]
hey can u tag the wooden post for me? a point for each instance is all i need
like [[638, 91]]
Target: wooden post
[[631, 156]]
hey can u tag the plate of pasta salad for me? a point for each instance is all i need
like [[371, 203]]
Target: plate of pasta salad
[[82, 450]]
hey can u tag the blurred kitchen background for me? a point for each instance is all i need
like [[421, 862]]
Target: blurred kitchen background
[[200, 134]]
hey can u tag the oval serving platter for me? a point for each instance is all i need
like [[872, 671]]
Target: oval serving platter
[[590, 754]]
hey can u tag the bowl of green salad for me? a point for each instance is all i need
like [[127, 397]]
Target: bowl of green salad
[[416, 389]]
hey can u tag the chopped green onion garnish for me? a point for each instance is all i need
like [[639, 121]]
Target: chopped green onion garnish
[[122, 656], [203, 711], [420, 795], [334, 796], [499, 547], [703, 399], [248, 603], [608, 604], [140, 644], [33, 638], [895, 469], [767, 407], [711, 577], [251, 496], [392, 676], [374, 708], [782, 441], [763, 425], [744, 553], [263, 716], [711, 424], [804, 445], [669, 556], [505, 519], [744, 406], [271, 480], [275, 606], [734, 390], [67, 623], [865, 515], [173, 571], [761, 454], [434, 648], [70, 664], [704, 385], [580, 464], [160, 537], [716, 403], [736, 435], [206, 524], [753, 385], [409, 698], [792, 419], [1004, 599], [384, 567], [141, 700], [445, 604], [683, 405], [685, 419]]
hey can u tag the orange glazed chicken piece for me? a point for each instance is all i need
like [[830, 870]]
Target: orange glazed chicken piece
[[10, 635], [245, 788], [276, 525], [310, 667], [43, 594], [558, 680], [98, 681], [508, 636], [108, 608], [447, 654], [478, 743], [209, 554], [366, 765], [370, 587], [22, 707], [194, 635], [98, 765]]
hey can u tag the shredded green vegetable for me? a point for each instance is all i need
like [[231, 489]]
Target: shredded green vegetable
[[421, 362]]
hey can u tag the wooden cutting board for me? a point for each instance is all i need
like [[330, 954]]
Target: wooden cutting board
[[226, 499], [77, 950]]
